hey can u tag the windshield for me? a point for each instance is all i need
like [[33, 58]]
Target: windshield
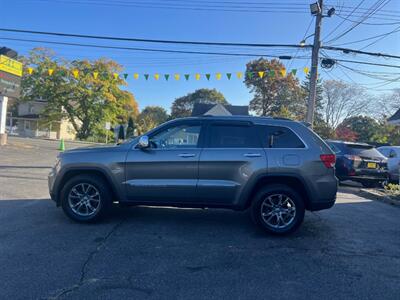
[[364, 150]]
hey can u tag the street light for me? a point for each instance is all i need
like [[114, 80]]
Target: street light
[[303, 41]]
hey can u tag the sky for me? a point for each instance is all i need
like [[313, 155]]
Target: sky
[[250, 21]]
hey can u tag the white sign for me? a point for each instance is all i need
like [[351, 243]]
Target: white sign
[[108, 125]]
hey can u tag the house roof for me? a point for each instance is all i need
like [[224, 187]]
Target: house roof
[[395, 117], [202, 108]]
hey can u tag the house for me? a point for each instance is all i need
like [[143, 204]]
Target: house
[[202, 109], [30, 123], [395, 119]]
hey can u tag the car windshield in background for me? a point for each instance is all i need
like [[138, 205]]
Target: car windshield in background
[[364, 150]]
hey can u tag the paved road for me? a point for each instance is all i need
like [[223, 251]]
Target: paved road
[[350, 251]]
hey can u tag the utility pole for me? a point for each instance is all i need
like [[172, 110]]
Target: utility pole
[[314, 65]]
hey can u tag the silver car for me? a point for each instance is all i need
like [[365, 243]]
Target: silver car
[[393, 155], [276, 168]]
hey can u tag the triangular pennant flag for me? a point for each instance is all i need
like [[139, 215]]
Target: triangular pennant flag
[[218, 76], [116, 75], [271, 73], [229, 75], [187, 76], [146, 76], [306, 70], [208, 76], [166, 77], [95, 75], [239, 75], [50, 71], [125, 75], [261, 74], [283, 72], [294, 71], [250, 74], [197, 76], [177, 76], [136, 76], [30, 71], [76, 73], [156, 76]]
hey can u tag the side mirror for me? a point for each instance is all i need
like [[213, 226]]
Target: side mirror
[[143, 142]]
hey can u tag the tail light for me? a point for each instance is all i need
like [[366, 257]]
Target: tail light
[[353, 157], [329, 160]]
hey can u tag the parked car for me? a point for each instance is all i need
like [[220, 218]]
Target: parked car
[[359, 162], [393, 156], [277, 168]]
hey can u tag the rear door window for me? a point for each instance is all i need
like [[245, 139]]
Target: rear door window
[[280, 137], [232, 136]]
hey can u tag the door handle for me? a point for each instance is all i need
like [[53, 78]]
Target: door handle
[[252, 155], [185, 155]]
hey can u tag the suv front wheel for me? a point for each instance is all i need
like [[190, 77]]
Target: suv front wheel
[[278, 209], [86, 198]]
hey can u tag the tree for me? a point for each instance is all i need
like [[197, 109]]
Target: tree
[[341, 101], [73, 92], [121, 132], [364, 127], [345, 134], [150, 117], [183, 106], [130, 131], [273, 91]]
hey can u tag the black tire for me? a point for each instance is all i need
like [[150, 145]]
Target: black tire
[[272, 190], [105, 197]]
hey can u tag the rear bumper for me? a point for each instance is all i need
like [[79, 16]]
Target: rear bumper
[[361, 178]]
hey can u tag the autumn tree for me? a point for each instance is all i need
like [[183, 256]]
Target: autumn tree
[[150, 117], [273, 91], [73, 92], [183, 106]]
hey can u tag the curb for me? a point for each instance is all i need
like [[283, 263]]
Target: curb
[[377, 196]]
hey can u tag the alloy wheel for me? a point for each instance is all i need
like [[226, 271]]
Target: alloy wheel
[[278, 211], [84, 199]]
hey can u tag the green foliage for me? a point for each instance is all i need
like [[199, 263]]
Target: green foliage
[[183, 106], [121, 132], [130, 132], [85, 101], [150, 117], [273, 91], [364, 127], [318, 111], [393, 190]]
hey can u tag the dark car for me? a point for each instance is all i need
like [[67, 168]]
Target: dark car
[[359, 162]]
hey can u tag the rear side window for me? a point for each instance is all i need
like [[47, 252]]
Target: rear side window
[[280, 137], [233, 136]]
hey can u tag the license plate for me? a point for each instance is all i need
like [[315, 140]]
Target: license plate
[[371, 165]]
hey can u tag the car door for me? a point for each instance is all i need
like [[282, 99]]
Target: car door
[[231, 156], [167, 171]]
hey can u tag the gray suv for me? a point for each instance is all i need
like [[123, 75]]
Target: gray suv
[[276, 168]]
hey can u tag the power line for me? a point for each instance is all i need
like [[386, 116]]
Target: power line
[[204, 43], [341, 23], [378, 4], [145, 49], [151, 40], [381, 38], [371, 38], [367, 23]]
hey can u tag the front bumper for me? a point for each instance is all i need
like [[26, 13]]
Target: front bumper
[[51, 178]]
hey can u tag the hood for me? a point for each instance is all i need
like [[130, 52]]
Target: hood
[[93, 148]]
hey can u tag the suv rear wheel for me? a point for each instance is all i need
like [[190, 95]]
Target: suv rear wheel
[[278, 209], [86, 198]]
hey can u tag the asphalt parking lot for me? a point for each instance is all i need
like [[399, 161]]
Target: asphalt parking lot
[[350, 251]]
